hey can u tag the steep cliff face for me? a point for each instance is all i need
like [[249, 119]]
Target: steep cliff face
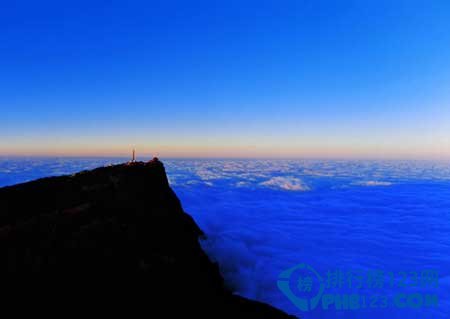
[[114, 238]]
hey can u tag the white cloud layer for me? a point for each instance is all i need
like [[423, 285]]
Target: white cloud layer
[[373, 183], [287, 183]]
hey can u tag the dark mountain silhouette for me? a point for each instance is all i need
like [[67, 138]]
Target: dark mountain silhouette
[[111, 240]]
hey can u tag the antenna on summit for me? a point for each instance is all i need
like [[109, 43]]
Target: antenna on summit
[[133, 159]]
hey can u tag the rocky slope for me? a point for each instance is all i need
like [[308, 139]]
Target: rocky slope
[[108, 240]]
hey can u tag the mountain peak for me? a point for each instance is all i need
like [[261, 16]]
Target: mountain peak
[[119, 234]]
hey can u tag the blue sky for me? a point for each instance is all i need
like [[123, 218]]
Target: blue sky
[[226, 78]]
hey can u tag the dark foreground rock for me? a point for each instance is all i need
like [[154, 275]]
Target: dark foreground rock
[[113, 240]]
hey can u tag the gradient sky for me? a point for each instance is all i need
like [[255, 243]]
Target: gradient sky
[[226, 78]]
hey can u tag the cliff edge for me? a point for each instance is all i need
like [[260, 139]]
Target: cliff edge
[[111, 239]]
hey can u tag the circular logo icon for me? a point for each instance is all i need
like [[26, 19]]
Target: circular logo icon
[[302, 285]]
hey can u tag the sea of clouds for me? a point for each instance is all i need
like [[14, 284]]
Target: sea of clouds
[[264, 216]]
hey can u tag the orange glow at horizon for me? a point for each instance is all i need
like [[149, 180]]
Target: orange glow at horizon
[[184, 151]]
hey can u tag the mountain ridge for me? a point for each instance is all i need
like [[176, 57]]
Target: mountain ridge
[[120, 235]]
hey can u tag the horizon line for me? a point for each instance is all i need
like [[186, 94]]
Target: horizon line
[[211, 157]]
